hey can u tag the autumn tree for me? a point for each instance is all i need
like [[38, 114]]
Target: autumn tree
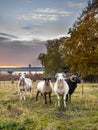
[[82, 46]]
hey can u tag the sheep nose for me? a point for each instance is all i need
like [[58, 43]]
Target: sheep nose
[[47, 83], [60, 80], [22, 78]]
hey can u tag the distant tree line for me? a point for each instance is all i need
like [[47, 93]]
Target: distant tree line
[[77, 53]]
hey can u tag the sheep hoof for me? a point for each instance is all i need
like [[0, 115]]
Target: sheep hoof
[[58, 105], [64, 108], [30, 97], [55, 105], [20, 99], [50, 102], [24, 98]]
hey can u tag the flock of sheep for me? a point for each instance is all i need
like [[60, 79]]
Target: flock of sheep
[[62, 87]]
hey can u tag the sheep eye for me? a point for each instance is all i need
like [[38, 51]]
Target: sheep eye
[[74, 78]]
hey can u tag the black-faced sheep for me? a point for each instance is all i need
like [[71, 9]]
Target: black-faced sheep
[[44, 87]]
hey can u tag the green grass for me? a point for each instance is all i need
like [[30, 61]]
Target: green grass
[[81, 113]]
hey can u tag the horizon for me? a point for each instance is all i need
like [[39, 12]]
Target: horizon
[[16, 66]]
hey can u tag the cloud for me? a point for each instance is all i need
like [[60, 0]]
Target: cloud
[[22, 40], [20, 52], [43, 17], [74, 4], [45, 14], [55, 11], [7, 35], [4, 37]]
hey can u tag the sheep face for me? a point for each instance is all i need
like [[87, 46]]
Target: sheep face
[[60, 77], [78, 80], [22, 76], [22, 79], [47, 81]]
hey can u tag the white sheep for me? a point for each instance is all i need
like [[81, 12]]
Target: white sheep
[[24, 84], [61, 88], [44, 87]]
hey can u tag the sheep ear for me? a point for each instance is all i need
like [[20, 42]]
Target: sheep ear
[[44, 78], [19, 74], [64, 75], [24, 73], [56, 75], [49, 78]]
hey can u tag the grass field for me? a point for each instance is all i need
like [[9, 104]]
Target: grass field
[[81, 113]]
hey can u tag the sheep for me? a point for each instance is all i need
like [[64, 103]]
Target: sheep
[[44, 87], [72, 82], [61, 88], [24, 84]]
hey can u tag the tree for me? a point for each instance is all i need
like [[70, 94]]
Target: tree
[[42, 58], [82, 46], [79, 52], [53, 60]]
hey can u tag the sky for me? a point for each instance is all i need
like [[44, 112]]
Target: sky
[[26, 25]]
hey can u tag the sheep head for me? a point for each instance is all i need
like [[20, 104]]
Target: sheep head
[[47, 81], [22, 76], [60, 76]]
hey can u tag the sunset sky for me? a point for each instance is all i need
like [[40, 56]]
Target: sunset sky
[[25, 25]]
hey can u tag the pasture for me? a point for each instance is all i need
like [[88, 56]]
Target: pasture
[[81, 113]]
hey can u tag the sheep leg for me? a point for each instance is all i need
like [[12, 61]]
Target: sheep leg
[[64, 99], [30, 92], [25, 95], [45, 98], [50, 97], [41, 94], [37, 95], [69, 97], [58, 100], [20, 95]]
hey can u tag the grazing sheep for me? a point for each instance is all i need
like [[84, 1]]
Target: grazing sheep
[[61, 88], [24, 84], [72, 82], [44, 87]]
